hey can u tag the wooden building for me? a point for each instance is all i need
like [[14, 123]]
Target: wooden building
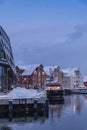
[[31, 76]]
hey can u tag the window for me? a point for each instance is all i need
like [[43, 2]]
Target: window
[[35, 72], [3, 56], [43, 73]]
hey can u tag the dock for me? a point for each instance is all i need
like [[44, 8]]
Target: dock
[[21, 102], [21, 107], [75, 91]]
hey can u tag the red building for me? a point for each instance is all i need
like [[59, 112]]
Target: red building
[[85, 81], [31, 76], [85, 84]]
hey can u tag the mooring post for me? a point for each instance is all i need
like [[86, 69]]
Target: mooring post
[[35, 105], [47, 107], [10, 110], [35, 109]]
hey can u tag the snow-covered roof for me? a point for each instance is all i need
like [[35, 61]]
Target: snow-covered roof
[[48, 69], [69, 71], [28, 69], [20, 93], [26, 72]]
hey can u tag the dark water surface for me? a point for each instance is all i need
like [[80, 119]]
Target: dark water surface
[[70, 115]]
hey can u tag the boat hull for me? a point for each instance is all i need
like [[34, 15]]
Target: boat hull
[[55, 95]]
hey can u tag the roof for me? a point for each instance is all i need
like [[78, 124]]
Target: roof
[[28, 69], [69, 71], [49, 69], [53, 84]]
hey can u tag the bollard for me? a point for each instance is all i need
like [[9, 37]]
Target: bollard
[[10, 110], [47, 107], [35, 109], [35, 105]]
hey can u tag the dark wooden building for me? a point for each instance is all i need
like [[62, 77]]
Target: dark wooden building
[[31, 76]]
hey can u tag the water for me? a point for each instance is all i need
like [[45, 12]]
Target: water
[[70, 115]]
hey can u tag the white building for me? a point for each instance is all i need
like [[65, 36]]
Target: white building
[[73, 78]]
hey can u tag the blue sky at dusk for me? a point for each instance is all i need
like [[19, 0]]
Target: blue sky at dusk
[[47, 31]]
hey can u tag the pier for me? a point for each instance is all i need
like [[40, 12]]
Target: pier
[[75, 91], [22, 107], [21, 102]]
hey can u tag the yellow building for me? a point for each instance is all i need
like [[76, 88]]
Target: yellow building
[[58, 75]]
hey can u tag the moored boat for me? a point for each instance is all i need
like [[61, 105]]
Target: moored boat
[[54, 91]]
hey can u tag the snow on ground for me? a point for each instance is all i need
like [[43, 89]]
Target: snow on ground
[[20, 93]]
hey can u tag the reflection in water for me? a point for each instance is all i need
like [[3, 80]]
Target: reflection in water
[[5, 127], [56, 109], [67, 115], [76, 102]]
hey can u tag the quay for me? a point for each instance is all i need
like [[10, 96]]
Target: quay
[[79, 91], [21, 107], [13, 106], [75, 91]]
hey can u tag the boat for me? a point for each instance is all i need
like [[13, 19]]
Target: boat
[[54, 91]]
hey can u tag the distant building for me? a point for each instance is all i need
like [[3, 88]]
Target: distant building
[[38, 76], [73, 78], [49, 72], [58, 75], [7, 66], [69, 78], [85, 81]]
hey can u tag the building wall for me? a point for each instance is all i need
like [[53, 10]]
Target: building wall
[[7, 66], [85, 83], [67, 82], [38, 77], [76, 79], [34, 80], [58, 75]]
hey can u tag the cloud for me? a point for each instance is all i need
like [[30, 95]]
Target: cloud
[[49, 48]]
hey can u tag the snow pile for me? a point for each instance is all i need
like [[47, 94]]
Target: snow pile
[[21, 93]]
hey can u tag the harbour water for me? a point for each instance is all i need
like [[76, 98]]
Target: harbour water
[[68, 115]]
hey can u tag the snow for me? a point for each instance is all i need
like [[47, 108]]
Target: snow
[[69, 71], [49, 69], [21, 93], [29, 68]]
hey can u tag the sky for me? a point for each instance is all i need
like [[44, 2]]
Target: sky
[[48, 32]]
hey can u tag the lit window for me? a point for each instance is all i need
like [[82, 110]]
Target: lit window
[[35, 72], [43, 73], [25, 79]]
